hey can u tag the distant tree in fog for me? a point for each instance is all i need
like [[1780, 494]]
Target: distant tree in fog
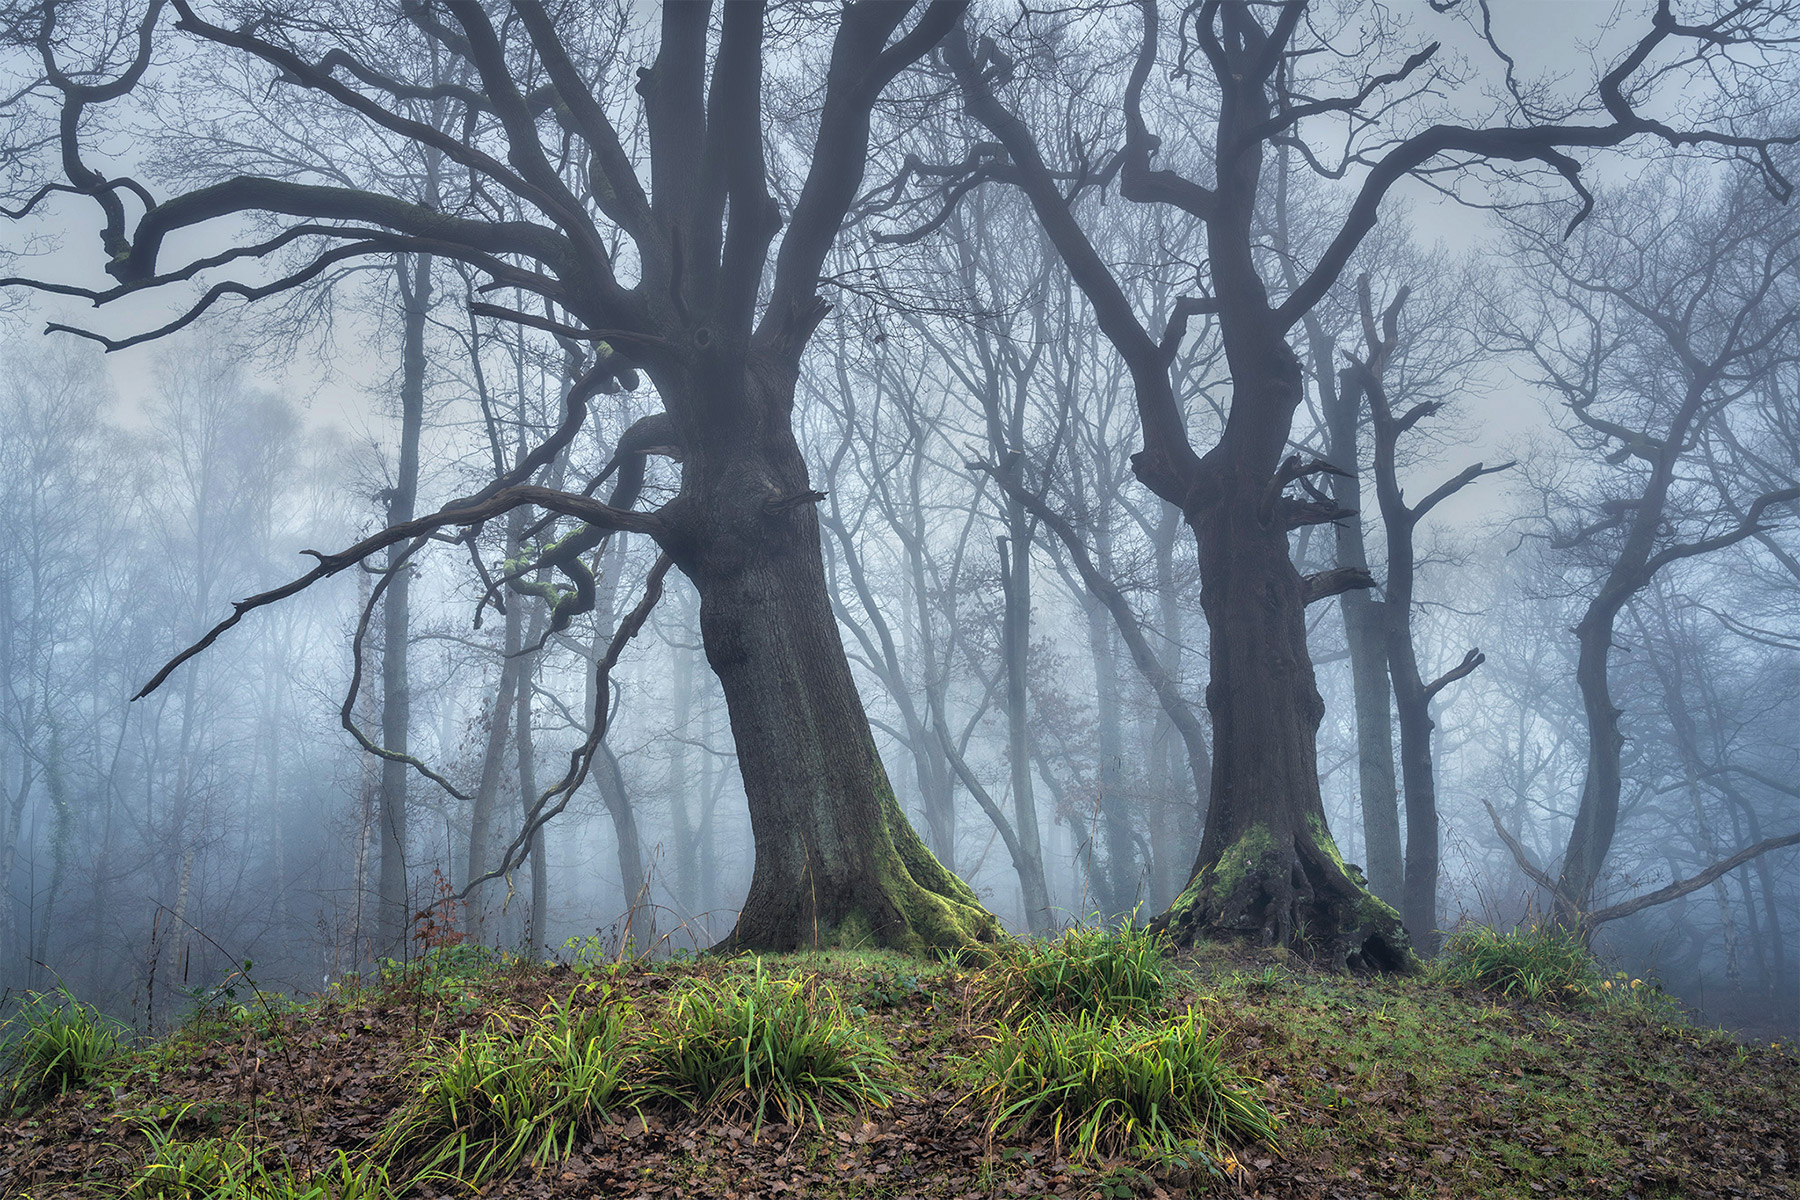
[[1651, 325]]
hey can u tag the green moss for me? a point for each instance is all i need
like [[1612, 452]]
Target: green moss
[[1241, 857], [941, 911], [853, 932], [1196, 888], [1371, 909]]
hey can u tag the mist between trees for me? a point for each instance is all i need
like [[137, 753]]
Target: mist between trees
[[896, 474]]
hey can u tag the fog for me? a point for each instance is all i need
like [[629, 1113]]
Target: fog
[[1565, 452]]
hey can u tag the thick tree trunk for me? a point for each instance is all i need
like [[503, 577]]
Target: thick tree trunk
[[1268, 869], [836, 861]]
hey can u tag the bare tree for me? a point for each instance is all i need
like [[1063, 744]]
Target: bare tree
[[698, 279], [1267, 867], [1413, 695], [1650, 328]]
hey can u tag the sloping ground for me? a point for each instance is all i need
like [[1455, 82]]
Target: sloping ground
[[1384, 1088]]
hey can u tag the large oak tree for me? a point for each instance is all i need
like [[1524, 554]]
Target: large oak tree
[[640, 221]]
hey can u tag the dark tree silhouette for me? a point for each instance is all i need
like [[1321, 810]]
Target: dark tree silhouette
[[696, 277]]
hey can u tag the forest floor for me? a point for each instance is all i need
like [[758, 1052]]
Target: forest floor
[[1397, 1087]]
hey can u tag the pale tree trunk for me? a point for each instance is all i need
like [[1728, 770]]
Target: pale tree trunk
[[681, 719], [1112, 815], [393, 900], [1176, 839], [1363, 635], [634, 881], [1015, 577], [368, 795], [483, 812], [534, 942], [62, 822]]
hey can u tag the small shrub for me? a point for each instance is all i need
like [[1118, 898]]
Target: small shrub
[[1103, 1087], [1535, 962], [1107, 972], [445, 974], [1640, 1001], [51, 1044], [757, 1046], [498, 1098]]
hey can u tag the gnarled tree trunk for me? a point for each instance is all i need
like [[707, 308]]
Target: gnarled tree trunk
[[836, 861]]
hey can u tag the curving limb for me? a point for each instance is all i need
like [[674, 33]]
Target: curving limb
[[581, 759], [472, 511]]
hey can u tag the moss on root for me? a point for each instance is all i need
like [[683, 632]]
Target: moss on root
[[940, 911], [1301, 896]]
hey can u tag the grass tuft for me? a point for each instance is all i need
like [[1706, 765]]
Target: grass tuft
[[1107, 972], [51, 1044], [501, 1097], [221, 1169], [756, 1046], [1541, 963], [1103, 1087]]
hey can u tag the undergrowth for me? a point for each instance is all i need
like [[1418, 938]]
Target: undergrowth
[[507, 1095], [756, 1046], [1103, 1086], [1104, 971], [1541, 963], [1080, 1066], [52, 1043], [221, 1169]]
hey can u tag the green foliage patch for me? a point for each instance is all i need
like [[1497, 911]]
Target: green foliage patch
[[51, 1044], [221, 1169], [760, 1046], [1102, 971], [503, 1096], [1102, 1086], [1541, 963]]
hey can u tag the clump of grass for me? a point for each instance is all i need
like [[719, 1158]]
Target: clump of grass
[[1534, 962], [501, 1097], [221, 1169], [1101, 1087], [51, 1044], [1104, 971], [757, 1047]]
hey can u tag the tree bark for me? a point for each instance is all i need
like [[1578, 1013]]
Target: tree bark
[[1267, 869], [1363, 635], [836, 861], [394, 913]]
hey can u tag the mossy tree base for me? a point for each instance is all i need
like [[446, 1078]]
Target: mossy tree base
[[898, 897], [1293, 892]]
